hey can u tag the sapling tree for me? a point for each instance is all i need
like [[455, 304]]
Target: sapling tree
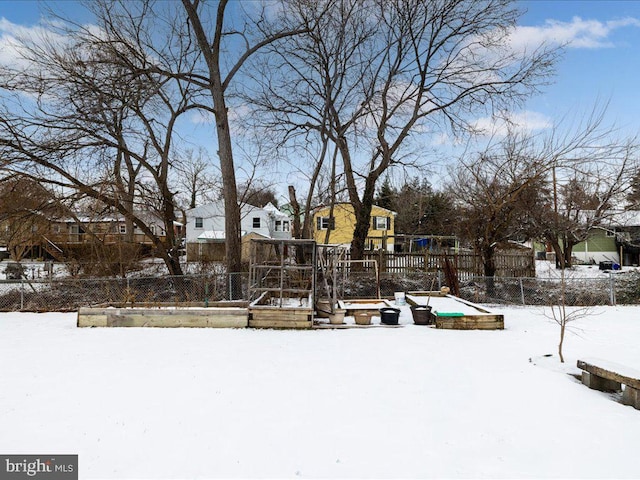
[[562, 313]]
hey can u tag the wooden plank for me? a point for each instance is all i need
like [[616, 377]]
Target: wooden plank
[[114, 317], [173, 321], [259, 323], [611, 371], [344, 326], [160, 305], [281, 314], [471, 322], [91, 320]]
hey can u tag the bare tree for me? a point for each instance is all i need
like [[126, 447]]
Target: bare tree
[[214, 32], [494, 190], [26, 212], [370, 75], [258, 194], [590, 171], [587, 200], [94, 111], [196, 179]]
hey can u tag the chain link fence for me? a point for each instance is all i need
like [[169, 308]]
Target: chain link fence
[[68, 294]]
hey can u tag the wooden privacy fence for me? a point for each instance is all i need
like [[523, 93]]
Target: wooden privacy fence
[[511, 264]]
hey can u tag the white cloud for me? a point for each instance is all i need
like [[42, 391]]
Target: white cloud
[[524, 121], [202, 117], [578, 33], [14, 37]]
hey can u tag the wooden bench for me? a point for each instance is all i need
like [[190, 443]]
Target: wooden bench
[[609, 377]]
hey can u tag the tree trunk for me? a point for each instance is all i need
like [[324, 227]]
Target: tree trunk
[[211, 52], [568, 254], [557, 249], [233, 242], [362, 210], [361, 231], [296, 229], [489, 264], [562, 327]]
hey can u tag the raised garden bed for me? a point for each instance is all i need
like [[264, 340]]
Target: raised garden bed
[[274, 312], [451, 312], [217, 317]]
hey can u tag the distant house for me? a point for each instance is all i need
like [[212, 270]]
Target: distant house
[[205, 228], [336, 226], [68, 235], [617, 240]]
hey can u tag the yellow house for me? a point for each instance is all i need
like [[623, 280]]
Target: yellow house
[[340, 224]]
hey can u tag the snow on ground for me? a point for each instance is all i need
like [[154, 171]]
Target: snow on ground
[[546, 269], [379, 402]]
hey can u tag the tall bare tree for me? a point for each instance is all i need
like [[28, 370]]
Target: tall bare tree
[[214, 33], [370, 75], [590, 170], [91, 108], [511, 190], [494, 190]]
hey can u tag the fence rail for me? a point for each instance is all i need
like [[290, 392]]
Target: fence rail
[[467, 265], [71, 293]]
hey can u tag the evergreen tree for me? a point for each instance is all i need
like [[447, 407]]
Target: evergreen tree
[[386, 195]]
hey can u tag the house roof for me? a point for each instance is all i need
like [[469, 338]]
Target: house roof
[[216, 209], [219, 235], [212, 235]]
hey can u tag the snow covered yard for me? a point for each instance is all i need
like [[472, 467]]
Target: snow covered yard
[[378, 402]]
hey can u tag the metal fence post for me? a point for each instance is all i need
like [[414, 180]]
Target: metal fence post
[[522, 292], [612, 289], [21, 294]]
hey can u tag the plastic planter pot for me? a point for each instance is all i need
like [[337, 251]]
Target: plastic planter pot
[[362, 318], [389, 315], [421, 314]]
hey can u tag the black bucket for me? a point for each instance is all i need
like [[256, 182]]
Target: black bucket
[[421, 314], [389, 315]]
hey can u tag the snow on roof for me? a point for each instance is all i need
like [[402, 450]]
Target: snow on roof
[[219, 235], [212, 235], [627, 218]]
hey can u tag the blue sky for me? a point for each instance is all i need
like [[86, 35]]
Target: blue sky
[[601, 61]]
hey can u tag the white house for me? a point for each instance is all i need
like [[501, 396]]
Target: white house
[[205, 227]]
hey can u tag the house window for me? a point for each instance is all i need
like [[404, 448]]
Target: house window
[[199, 222], [610, 233], [153, 229], [326, 223], [381, 223], [256, 222], [123, 229], [282, 225], [56, 228]]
